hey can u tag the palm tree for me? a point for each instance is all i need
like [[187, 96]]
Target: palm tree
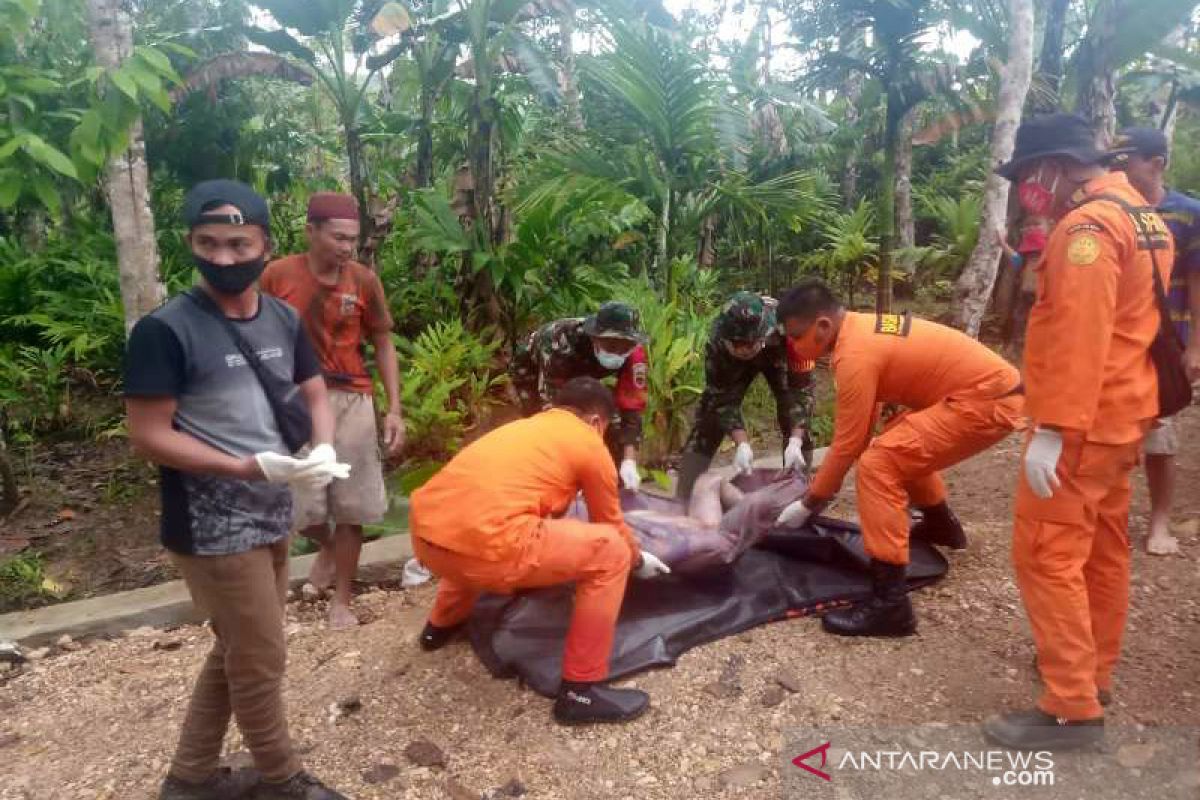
[[881, 40], [332, 32], [672, 137]]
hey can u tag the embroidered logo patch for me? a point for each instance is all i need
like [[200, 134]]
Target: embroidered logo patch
[[1083, 250]]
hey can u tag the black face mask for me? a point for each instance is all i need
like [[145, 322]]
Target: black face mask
[[232, 279]]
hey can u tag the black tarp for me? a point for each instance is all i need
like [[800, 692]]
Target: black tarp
[[789, 574]]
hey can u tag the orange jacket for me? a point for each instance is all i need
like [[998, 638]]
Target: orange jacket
[[895, 358], [1087, 366], [492, 497]]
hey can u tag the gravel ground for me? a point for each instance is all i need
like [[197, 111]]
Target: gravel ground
[[99, 719]]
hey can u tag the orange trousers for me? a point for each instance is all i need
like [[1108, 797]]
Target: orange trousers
[[595, 557], [1071, 554], [901, 464]]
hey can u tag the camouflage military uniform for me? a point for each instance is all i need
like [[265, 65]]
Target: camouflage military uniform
[[561, 350], [727, 379]]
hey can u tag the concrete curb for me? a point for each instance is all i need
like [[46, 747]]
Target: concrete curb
[[167, 603]]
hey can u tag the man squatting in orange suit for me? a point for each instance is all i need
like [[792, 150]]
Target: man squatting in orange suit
[[490, 521]]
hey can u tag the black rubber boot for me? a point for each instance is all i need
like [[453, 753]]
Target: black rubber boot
[[1037, 730], [435, 638], [940, 526], [584, 703], [225, 784], [300, 786], [888, 613]]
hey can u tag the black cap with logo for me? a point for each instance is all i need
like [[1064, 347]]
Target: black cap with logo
[[252, 208], [1145, 142]]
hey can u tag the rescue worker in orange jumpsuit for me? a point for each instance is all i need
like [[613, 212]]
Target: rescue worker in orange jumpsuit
[[1091, 393], [488, 522], [961, 398]]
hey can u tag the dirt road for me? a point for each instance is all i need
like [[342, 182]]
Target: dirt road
[[100, 722]]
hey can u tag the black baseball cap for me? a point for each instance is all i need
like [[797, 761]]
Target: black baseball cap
[[202, 197], [1048, 135], [1145, 142]]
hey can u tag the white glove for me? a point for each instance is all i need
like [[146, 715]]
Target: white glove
[[795, 515], [1041, 462], [629, 475], [793, 454], [651, 567], [743, 459], [277, 468], [313, 472]]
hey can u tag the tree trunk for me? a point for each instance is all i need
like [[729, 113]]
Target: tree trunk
[[1097, 89], [887, 199], [424, 176], [854, 90], [126, 178], [568, 79], [1050, 62], [358, 186], [974, 286], [905, 225]]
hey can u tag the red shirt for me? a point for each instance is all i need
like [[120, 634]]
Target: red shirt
[[337, 317]]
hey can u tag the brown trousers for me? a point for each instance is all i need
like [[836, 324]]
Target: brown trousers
[[243, 595]]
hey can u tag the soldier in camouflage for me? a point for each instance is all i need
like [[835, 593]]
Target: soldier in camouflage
[[608, 343], [745, 342]]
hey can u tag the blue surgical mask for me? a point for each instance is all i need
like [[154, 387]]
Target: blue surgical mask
[[609, 360]]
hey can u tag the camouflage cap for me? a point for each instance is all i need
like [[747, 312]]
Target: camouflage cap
[[618, 320], [746, 318]]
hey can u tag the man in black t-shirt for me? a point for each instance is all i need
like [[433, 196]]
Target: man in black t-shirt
[[197, 408]]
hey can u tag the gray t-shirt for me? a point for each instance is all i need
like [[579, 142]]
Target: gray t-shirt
[[181, 351]]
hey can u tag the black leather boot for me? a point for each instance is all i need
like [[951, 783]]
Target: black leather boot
[[939, 526], [887, 613], [435, 638], [1037, 730], [224, 784], [583, 703]]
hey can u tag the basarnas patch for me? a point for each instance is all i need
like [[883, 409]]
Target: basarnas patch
[[1083, 250]]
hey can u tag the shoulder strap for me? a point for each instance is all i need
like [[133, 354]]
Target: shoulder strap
[[206, 303], [1134, 213]]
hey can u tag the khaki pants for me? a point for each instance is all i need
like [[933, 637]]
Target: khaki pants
[[244, 595], [360, 499]]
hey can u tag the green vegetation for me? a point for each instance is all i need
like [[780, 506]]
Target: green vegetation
[[509, 174]]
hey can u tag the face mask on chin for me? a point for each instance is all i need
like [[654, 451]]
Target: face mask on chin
[[231, 279]]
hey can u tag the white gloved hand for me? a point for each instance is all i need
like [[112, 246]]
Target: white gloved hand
[[795, 515], [793, 454], [743, 459], [278, 468], [629, 475], [651, 567], [1041, 462]]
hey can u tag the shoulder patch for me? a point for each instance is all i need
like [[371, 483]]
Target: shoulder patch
[[893, 324], [639, 374], [1083, 250], [1085, 227]]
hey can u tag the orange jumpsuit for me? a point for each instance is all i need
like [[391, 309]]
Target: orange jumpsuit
[[1089, 374], [483, 524], [962, 398]]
